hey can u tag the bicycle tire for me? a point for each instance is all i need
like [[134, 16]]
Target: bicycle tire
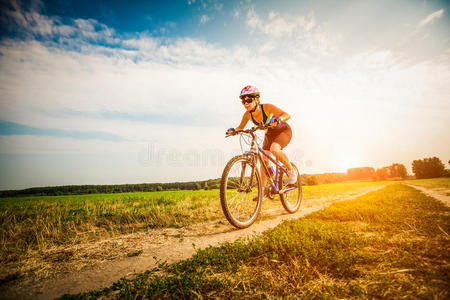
[[237, 191], [291, 200]]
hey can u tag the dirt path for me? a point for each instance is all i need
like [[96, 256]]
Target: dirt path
[[441, 194], [169, 245]]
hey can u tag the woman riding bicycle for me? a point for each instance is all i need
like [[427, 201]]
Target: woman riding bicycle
[[277, 136]]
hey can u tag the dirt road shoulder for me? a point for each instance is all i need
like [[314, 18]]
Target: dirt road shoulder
[[440, 194]]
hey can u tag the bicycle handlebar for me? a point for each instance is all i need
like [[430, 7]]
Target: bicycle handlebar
[[251, 130]]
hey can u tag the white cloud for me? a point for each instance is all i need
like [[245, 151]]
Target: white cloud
[[431, 17], [272, 15], [294, 35], [189, 87], [85, 25], [218, 6], [204, 19], [420, 27], [208, 5], [278, 26], [40, 83], [33, 21], [142, 43]]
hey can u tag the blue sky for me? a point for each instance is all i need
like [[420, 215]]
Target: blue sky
[[104, 92]]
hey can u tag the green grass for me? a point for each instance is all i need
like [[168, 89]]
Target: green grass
[[37, 223], [391, 243], [337, 189], [443, 182]]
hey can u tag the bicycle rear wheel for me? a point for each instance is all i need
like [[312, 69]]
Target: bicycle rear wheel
[[241, 192], [292, 198]]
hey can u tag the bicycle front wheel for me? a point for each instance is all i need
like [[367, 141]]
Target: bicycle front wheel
[[241, 192], [292, 197]]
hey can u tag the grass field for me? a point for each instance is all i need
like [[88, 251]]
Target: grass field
[[37, 223], [391, 243], [433, 183]]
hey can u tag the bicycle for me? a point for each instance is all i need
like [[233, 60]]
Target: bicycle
[[241, 188]]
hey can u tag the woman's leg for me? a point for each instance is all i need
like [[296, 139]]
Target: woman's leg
[[266, 160], [275, 148], [263, 179], [263, 172]]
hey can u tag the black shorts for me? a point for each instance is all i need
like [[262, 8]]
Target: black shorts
[[281, 135]]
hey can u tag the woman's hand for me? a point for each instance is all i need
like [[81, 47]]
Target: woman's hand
[[274, 121], [230, 131]]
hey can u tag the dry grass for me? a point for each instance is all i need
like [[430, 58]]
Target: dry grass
[[39, 223], [433, 183], [44, 236], [388, 244]]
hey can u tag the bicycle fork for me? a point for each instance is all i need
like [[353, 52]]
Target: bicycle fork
[[242, 184]]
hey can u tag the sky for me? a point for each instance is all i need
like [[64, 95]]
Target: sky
[[112, 92]]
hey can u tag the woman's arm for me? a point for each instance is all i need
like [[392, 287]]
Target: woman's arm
[[274, 110], [243, 121]]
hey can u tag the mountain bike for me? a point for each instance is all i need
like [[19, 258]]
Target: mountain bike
[[241, 188]]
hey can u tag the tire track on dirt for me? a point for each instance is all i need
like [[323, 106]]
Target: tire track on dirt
[[170, 245]]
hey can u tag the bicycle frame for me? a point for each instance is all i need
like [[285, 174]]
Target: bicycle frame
[[258, 151], [241, 189]]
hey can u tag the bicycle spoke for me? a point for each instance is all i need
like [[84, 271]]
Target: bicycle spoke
[[239, 193]]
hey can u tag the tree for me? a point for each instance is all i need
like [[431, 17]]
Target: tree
[[401, 171], [198, 186], [428, 168], [397, 170], [159, 188], [361, 173], [382, 173], [206, 187], [312, 180]]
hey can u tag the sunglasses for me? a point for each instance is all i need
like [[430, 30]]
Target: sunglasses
[[247, 99]]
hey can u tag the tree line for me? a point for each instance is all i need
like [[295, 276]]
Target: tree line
[[422, 168], [431, 167], [116, 188]]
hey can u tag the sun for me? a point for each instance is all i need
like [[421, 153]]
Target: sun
[[349, 161]]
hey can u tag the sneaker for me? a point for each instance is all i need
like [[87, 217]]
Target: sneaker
[[292, 177]]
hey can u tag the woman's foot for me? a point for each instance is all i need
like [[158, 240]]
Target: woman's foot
[[292, 174]]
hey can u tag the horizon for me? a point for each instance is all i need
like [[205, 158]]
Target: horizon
[[102, 93], [409, 174]]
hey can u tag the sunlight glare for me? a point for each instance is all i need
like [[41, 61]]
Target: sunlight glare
[[349, 161]]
